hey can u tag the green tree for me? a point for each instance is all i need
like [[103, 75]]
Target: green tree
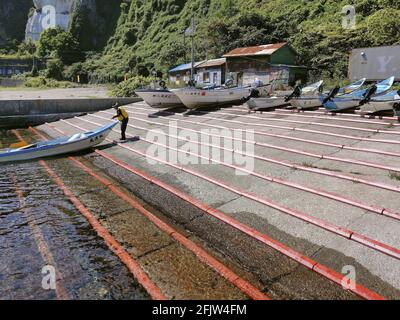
[[384, 27], [61, 44], [81, 28]]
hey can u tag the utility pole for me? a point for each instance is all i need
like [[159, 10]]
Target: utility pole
[[190, 32], [193, 49]]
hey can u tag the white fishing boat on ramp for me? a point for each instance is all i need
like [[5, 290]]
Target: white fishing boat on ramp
[[75, 143], [194, 98], [160, 98]]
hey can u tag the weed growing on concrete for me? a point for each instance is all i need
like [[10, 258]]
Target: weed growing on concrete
[[394, 176]]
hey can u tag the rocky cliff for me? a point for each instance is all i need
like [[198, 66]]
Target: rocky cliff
[[91, 21], [48, 13]]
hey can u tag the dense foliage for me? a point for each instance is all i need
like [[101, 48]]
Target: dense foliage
[[127, 88], [111, 39], [150, 33]]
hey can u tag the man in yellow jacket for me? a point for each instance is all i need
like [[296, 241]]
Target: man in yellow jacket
[[123, 117]]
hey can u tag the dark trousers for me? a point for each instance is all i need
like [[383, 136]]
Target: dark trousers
[[124, 124]]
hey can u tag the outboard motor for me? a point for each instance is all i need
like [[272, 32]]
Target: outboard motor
[[254, 93], [368, 94], [295, 94], [163, 85], [229, 83], [331, 94]]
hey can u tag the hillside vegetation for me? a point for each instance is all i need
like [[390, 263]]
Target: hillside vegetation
[[149, 35], [108, 39]]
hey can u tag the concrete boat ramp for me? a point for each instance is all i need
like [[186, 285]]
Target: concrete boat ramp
[[313, 212]]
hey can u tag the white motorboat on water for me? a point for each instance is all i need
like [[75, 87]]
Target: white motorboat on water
[[75, 143], [350, 102], [160, 98], [313, 100], [194, 98], [383, 104]]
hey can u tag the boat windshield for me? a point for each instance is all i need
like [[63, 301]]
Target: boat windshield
[[353, 87], [31, 146], [312, 87], [384, 85]]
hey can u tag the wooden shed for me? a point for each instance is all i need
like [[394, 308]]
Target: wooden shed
[[265, 63]]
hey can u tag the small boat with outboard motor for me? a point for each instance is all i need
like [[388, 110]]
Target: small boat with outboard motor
[[352, 101], [66, 145], [275, 99], [304, 98], [382, 105], [313, 101]]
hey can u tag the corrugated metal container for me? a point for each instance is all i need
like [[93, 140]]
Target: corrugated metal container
[[375, 63]]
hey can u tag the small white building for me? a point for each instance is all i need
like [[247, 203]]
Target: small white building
[[212, 72], [375, 63]]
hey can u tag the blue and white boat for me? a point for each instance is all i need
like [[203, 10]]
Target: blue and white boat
[[383, 104], [353, 100], [66, 145], [312, 101]]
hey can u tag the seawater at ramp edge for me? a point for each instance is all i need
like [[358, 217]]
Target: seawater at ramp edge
[[40, 229]]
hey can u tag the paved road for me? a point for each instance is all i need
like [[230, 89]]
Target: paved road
[[69, 93]]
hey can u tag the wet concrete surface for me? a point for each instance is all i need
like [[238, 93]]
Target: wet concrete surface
[[279, 276], [86, 268], [96, 273]]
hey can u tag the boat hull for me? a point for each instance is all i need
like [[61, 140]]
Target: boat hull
[[197, 98], [266, 103], [341, 104], [373, 107], [304, 103], [67, 146], [160, 99]]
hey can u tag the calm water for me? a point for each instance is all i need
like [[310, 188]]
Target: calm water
[[42, 227]]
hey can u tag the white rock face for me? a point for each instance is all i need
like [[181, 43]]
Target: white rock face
[[49, 13]]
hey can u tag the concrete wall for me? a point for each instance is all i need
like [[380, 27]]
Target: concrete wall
[[23, 113], [375, 63]]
